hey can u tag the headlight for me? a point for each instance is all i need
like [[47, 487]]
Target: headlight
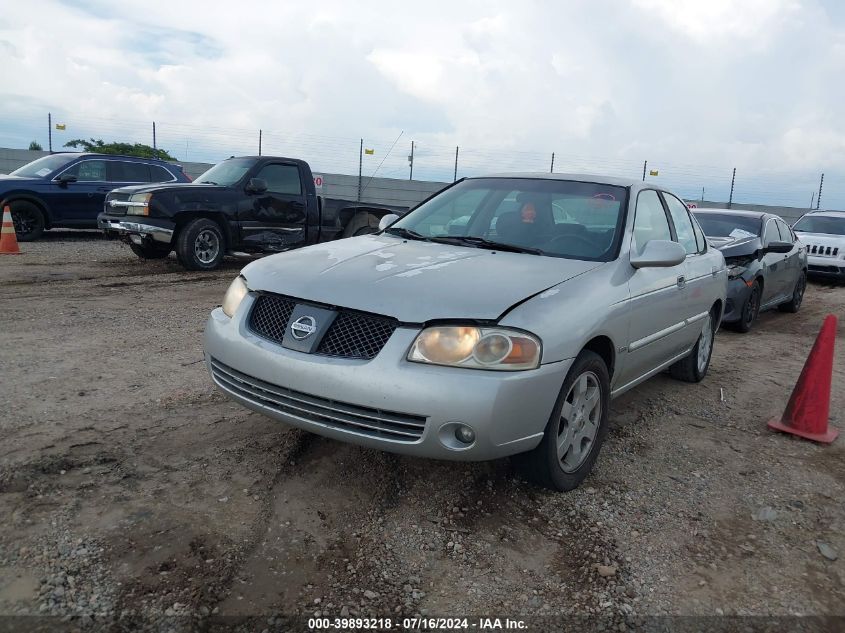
[[234, 295], [735, 270], [476, 347], [139, 204]]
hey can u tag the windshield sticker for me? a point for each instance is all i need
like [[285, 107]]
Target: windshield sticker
[[740, 233], [43, 172]]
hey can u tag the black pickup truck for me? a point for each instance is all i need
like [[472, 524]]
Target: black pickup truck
[[250, 205]]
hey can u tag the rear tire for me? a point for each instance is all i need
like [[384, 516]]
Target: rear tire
[[693, 368], [28, 220], [579, 423], [361, 224], [200, 245], [794, 304], [150, 252]]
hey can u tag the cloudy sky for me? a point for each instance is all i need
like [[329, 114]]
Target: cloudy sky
[[694, 87]]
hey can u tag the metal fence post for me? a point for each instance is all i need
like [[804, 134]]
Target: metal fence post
[[456, 163], [360, 167], [731, 198], [154, 135], [645, 164], [411, 161], [259, 141], [552, 167], [50, 131], [819, 198]]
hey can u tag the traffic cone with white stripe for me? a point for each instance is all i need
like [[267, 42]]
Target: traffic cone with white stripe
[[8, 239]]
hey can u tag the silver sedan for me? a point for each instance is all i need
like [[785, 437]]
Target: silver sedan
[[498, 318]]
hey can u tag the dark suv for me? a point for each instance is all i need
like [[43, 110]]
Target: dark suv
[[68, 190]]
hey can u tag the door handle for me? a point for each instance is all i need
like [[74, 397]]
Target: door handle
[[682, 281]]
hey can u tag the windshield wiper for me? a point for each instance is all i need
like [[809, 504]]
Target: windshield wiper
[[482, 242], [207, 182], [400, 231]]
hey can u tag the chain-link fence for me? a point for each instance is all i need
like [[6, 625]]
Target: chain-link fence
[[425, 159]]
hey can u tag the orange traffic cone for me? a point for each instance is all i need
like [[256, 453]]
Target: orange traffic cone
[[8, 239], [808, 410]]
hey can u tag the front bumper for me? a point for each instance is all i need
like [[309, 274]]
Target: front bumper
[[738, 291], [826, 267], [159, 231], [508, 411]]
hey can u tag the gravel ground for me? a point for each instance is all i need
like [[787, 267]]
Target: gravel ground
[[132, 492]]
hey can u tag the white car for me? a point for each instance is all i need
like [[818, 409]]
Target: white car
[[823, 235]]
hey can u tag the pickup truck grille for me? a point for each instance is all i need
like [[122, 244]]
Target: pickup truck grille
[[351, 335], [823, 251], [119, 197], [353, 418]]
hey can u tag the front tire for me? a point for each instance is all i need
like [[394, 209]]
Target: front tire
[[149, 252], [28, 220], [794, 304], [200, 245], [693, 368], [576, 429], [750, 310]]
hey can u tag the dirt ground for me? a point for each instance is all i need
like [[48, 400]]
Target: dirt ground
[[130, 488]]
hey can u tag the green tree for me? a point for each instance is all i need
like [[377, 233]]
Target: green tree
[[35, 146], [125, 149]]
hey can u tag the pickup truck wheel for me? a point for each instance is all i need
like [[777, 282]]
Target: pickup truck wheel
[[576, 429], [694, 367], [150, 252], [361, 224], [200, 245], [28, 220]]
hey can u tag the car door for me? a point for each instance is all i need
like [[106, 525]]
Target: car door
[[699, 269], [773, 266], [275, 219], [79, 202], [657, 296], [792, 260]]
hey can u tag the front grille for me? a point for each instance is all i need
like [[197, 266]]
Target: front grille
[[270, 316], [351, 335], [354, 335], [368, 421], [824, 251], [120, 197]]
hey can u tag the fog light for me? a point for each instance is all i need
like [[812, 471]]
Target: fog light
[[464, 434]]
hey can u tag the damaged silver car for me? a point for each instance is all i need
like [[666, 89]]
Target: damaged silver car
[[498, 318]]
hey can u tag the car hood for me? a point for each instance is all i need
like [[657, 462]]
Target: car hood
[[169, 187], [413, 281], [7, 181], [821, 239], [736, 246]]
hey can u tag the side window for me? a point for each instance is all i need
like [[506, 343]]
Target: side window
[[700, 240], [770, 233], [89, 171], [282, 179], [683, 225], [650, 222], [124, 171], [785, 233], [159, 174]]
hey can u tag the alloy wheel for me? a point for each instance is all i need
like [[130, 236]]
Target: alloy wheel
[[705, 344], [579, 421], [207, 246], [23, 221]]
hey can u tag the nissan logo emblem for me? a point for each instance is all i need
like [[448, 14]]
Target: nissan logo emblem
[[303, 327]]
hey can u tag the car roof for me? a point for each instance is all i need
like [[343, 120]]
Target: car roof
[[739, 212], [594, 178], [113, 156], [827, 214]]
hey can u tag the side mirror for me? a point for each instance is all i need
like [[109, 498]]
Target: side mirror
[[778, 247], [64, 179], [659, 254], [387, 220], [256, 185]]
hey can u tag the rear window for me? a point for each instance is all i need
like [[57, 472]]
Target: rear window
[[124, 171], [159, 174], [820, 224], [728, 225]]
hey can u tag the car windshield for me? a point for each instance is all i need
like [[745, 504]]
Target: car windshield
[[228, 172], [44, 166], [728, 225], [820, 224], [559, 218]]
